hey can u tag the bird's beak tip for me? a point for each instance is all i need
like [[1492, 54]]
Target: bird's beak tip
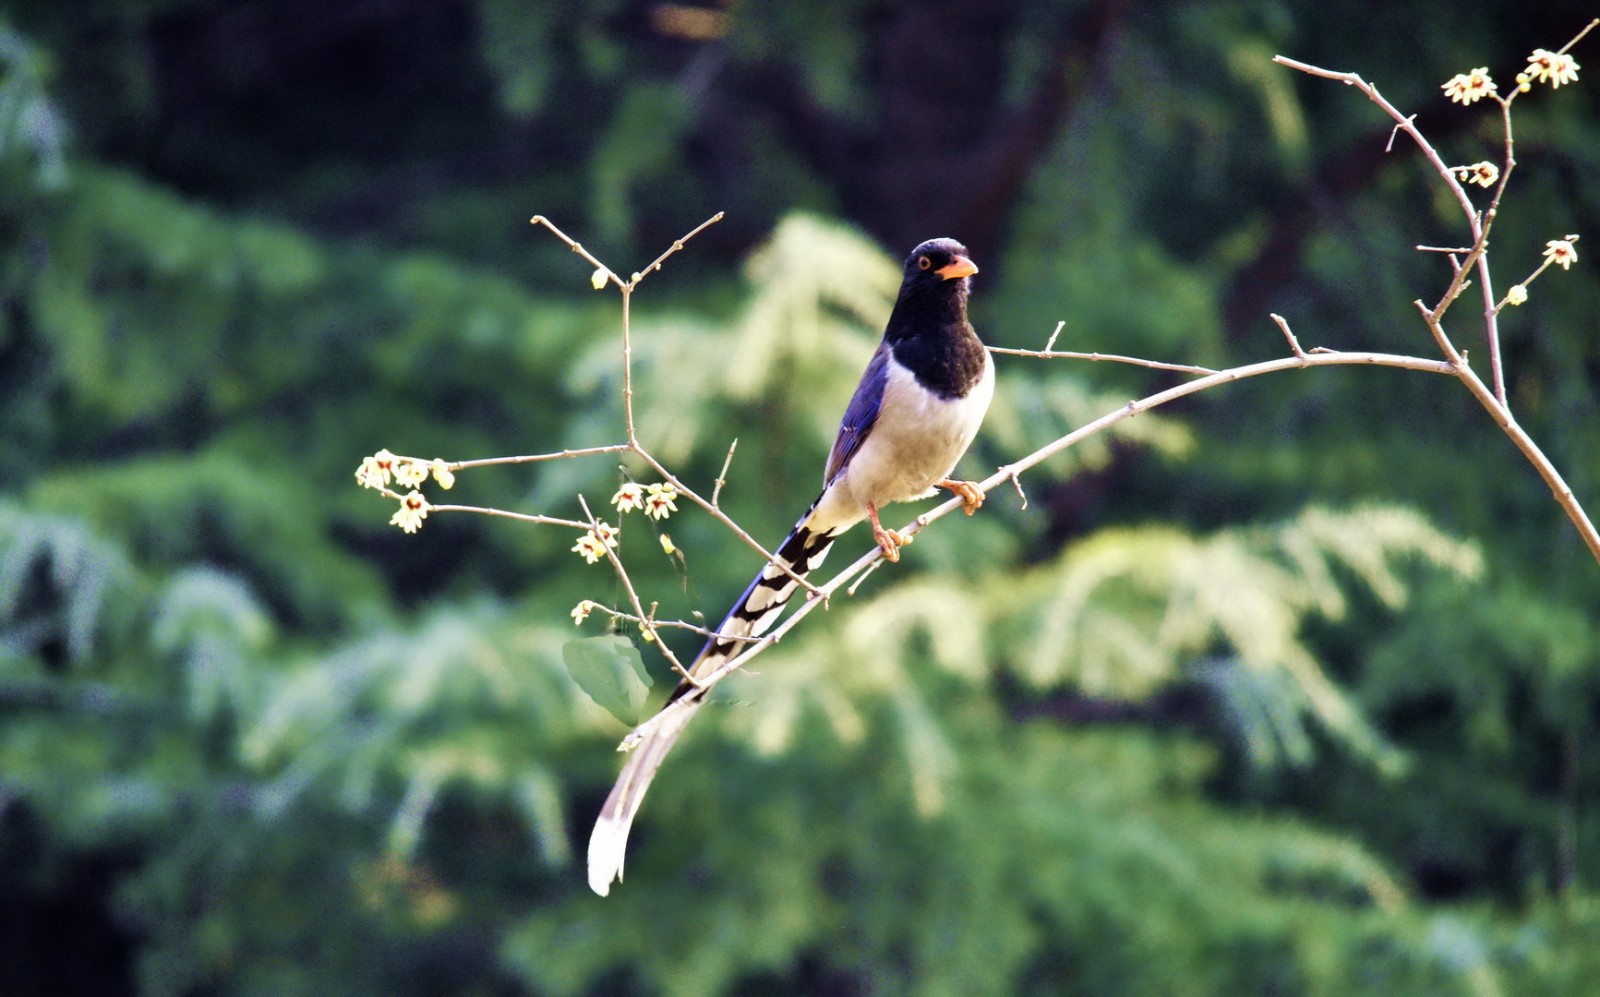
[[958, 267]]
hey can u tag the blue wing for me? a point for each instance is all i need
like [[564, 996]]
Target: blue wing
[[860, 414]]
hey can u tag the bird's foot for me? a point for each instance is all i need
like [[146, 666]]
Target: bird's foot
[[890, 541], [968, 491]]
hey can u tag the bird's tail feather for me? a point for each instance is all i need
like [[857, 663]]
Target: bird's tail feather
[[751, 616], [608, 843]]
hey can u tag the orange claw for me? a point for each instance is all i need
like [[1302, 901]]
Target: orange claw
[[889, 541], [971, 496]]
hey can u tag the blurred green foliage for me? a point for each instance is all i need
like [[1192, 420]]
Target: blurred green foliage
[[1290, 689]]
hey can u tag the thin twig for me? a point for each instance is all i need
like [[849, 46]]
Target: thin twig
[[1049, 354], [462, 465], [1050, 343], [676, 246], [1016, 482], [1578, 37], [722, 476], [576, 247], [522, 517], [646, 623], [1283, 326], [694, 628], [874, 566]]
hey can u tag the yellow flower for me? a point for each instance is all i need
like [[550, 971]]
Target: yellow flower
[[1561, 253], [592, 545], [1483, 174], [667, 545], [1465, 88], [1516, 294], [629, 496], [660, 504], [443, 474], [580, 612], [413, 510], [1553, 68], [597, 280], [374, 471], [409, 473]]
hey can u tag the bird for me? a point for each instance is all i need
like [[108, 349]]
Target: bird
[[920, 402]]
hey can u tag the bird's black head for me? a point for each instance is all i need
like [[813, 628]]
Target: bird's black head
[[937, 261], [933, 295]]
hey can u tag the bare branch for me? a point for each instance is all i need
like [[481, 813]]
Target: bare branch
[[1010, 473], [1016, 482], [1508, 423], [1283, 326], [1049, 354], [523, 517], [722, 476], [1050, 343], [676, 246], [576, 247], [461, 465], [1578, 37]]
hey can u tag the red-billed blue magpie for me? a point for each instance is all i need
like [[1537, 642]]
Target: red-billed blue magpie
[[919, 404]]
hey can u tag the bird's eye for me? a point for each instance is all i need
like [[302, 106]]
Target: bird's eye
[[923, 263]]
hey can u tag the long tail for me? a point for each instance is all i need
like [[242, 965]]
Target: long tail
[[751, 616]]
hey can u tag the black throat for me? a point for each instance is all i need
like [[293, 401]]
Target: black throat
[[931, 337]]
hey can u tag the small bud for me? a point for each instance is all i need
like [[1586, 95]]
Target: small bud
[[597, 280], [1516, 295], [442, 474]]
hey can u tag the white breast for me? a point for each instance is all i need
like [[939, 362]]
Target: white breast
[[916, 441]]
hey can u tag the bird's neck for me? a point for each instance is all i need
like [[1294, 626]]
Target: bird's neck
[[931, 337]]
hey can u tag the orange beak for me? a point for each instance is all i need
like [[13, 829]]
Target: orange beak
[[958, 267]]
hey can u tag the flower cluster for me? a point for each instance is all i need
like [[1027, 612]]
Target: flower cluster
[[1557, 252], [1467, 88], [1544, 66], [378, 470], [1554, 68], [1483, 174], [658, 501], [592, 546]]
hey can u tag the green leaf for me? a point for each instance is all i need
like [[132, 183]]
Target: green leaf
[[609, 670]]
